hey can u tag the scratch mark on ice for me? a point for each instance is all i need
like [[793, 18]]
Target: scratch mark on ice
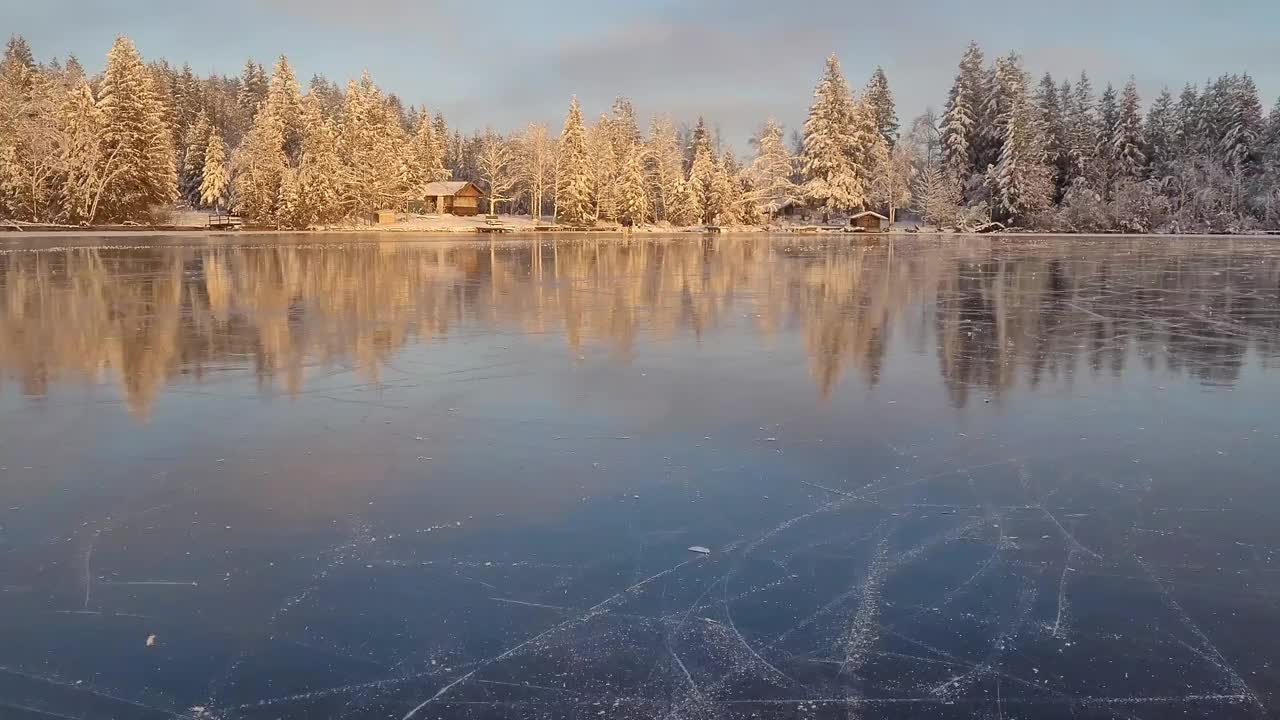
[[592, 612]]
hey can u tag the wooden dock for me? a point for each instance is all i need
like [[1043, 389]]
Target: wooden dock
[[224, 221], [494, 226]]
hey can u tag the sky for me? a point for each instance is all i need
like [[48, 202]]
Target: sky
[[504, 63]]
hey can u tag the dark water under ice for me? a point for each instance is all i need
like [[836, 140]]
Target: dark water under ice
[[939, 478]]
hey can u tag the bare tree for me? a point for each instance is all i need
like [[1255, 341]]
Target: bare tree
[[891, 185], [537, 165], [497, 166]]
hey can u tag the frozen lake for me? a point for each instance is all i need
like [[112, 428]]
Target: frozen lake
[[326, 477]]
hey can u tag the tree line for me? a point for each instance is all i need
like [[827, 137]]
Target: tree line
[[126, 144]]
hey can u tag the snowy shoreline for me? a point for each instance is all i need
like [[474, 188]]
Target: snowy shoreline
[[524, 234]]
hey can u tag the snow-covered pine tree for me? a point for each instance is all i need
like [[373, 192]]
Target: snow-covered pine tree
[[188, 101], [683, 210], [290, 210], [426, 158], [1022, 182], [702, 175], [328, 96], [1128, 142], [135, 138], [29, 138], [1271, 140], [319, 175], [373, 148], [15, 83], [633, 196], [879, 101], [253, 90], [443, 137], [604, 170], [73, 71], [1187, 123], [259, 164], [215, 180], [867, 147], [831, 180], [961, 128], [771, 172], [1082, 132], [666, 171], [726, 191], [18, 51], [195, 141], [1161, 136], [1048, 101], [624, 130], [573, 171], [83, 169], [458, 158], [1104, 165], [284, 102], [164, 80], [1241, 136], [1004, 80]]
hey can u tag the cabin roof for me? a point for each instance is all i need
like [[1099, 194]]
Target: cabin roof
[[448, 187], [865, 213]]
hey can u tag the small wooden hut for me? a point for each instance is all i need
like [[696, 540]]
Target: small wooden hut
[[385, 217], [869, 221], [453, 198]]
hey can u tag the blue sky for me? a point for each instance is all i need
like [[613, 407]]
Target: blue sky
[[503, 63]]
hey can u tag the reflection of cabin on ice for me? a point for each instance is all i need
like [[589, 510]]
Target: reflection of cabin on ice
[[868, 221], [453, 198]]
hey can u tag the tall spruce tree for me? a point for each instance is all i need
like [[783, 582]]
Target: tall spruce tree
[[1082, 132], [831, 181], [633, 196], [702, 175], [1104, 165], [1187, 123], [321, 172], [215, 182], [136, 141], [1244, 125], [666, 168], [1053, 121], [879, 102], [772, 187], [426, 161], [1023, 178], [1128, 148], [573, 172], [84, 171], [195, 142], [604, 169], [961, 128], [1161, 136]]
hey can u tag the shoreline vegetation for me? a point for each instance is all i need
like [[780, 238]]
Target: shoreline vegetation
[[147, 146]]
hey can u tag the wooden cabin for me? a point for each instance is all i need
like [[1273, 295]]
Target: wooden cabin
[[869, 221], [453, 198]]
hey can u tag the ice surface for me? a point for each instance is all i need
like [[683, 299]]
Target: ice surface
[[942, 477]]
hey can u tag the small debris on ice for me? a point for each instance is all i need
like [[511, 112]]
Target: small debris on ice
[[700, 550]]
